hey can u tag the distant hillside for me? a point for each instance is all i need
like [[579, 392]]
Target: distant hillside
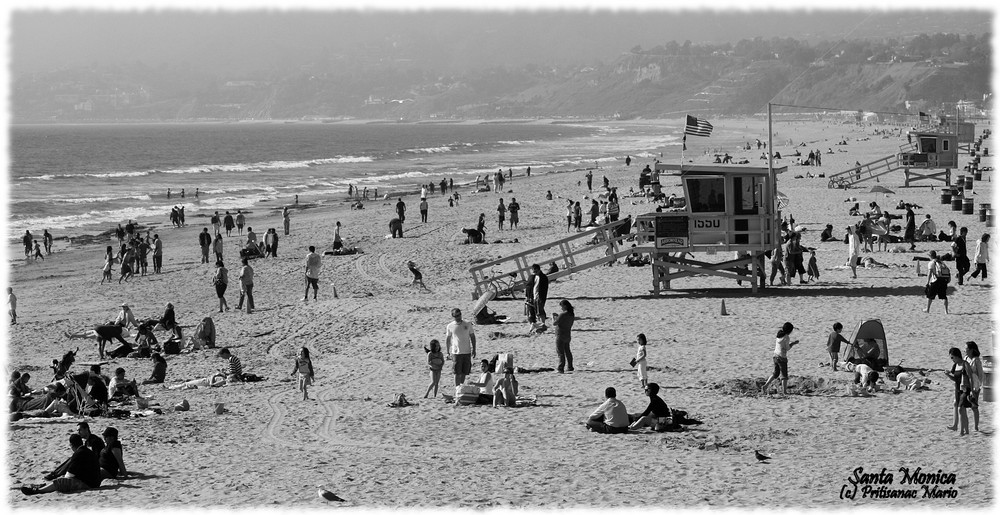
[[636, 85]]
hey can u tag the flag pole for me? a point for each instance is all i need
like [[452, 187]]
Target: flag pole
[[770, 160]]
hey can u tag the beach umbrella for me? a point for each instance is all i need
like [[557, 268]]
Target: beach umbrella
[[881, 189]]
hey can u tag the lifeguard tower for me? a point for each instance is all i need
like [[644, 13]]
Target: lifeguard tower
[[930, 154], [933, 151], [728, 209]]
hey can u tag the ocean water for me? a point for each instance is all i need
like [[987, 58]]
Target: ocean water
[[82, 179]]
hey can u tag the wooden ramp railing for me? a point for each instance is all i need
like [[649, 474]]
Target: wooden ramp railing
[[568, 253], [865, 172]]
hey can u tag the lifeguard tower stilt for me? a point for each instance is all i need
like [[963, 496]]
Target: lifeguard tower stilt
[[728, 209]]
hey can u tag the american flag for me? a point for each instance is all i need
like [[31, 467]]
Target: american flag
[[697, 127], [924, 118]]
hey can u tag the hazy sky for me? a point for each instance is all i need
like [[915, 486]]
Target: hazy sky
[[42, 40]]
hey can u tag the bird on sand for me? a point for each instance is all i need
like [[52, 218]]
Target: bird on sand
[[761, 457], [328, 495]]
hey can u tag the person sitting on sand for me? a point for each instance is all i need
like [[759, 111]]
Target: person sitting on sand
[[18, 389], [120, 387], [610, 417], [51, 402], [657, 414], [485, 383], [110, 458], [159, 374], [125, 317], [168, 322], [505, 389], [473, 236], [827, 234], [82, 473]]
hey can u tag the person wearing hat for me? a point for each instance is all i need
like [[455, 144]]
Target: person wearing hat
[[83, 472], [110, 458], [125, 317]]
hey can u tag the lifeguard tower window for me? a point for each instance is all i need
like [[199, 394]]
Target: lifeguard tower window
[[944, 145], [746, 198], [928, 145], [707, 194]]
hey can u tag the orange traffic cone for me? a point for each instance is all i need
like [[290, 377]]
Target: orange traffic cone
[[724, 308]]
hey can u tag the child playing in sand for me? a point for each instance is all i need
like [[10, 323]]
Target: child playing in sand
[[781, 347], [38, 251], [813, 269], [435, 362], [12, 305], [639, 361], [418, 278], [304, 367], [833, 342]]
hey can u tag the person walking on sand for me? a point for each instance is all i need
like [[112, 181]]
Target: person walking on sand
[[460, 341], [304, 369], [38, 251], [780, 358], [569, 215], [228, 223], [853, 250], [216, 223], [639, 361], [590, 180], [109, 260], [977, 375], [285, 220], [982, 256], [401, 210], [12, 305], [435, 362], [221, 281], [47, 241], [241, 220], [960, 250], [205, 240], [938, 277], [833, 342], [423, 210], [563, 323], [961, 374], [246, 286], [577, 216], [313, 263], [217, 247], [157, 254]]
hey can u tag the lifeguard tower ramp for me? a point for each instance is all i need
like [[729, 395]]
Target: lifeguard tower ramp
[[869, 171], [729, 209], [593, 247]]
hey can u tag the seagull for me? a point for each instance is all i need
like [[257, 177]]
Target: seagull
[[760, 457], [328, 495]]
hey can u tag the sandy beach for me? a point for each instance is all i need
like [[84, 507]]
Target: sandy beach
[[271, 449]]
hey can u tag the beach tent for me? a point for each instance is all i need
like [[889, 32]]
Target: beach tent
[[868, 345]]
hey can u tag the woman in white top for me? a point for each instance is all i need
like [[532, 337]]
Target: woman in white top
[[982, 255], [976, 366]]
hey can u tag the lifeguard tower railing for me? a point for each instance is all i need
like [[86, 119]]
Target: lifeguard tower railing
[[592, 247]]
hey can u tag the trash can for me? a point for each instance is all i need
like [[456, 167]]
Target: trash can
[[946, 196], [987, 393], [967, 206], [960, 182], [983, 207], [977, 175], [969, 182], [956, 203], [989, 217]]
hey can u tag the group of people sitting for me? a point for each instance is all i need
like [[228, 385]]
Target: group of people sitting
[[88, 393], [93, 460], [611, 417]]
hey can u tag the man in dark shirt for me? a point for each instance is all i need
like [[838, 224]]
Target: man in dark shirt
[[656, 410], [91, 440], [961, 253], [83, 472]]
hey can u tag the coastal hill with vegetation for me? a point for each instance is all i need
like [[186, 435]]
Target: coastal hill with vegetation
[[891, 75]]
